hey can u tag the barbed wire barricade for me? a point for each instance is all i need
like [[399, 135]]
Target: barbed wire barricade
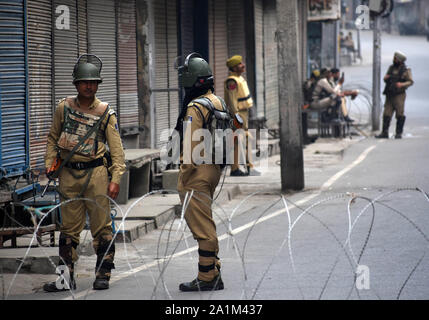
[[174, 235]]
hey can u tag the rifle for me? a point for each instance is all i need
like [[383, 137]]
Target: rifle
[[393, 80]]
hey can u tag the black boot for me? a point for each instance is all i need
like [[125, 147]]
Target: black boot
[[385, 132], [348, 119], [199, 285], [238, 173], [399, 126], [105, 249], [55, 287], [102, 280], [65, 247], [61, 285]]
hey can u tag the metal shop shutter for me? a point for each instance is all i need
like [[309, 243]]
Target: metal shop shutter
[[39, 17], [218, 43], [259, 58], [13, 89], [82, 27], [236, 29], [65, 51], [173, 52], [164, 88], [187, 27], [102, 43], [127, 55], [271, 65]]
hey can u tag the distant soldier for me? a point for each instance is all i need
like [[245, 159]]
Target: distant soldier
[[350, 45], [398, 78], [239, 100], [82, 128]]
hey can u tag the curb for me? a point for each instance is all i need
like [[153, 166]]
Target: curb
[[36, 262]]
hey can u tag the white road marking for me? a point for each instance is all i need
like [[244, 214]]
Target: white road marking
[[339, 174]]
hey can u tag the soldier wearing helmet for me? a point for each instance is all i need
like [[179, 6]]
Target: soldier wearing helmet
[[82, 128], [197, 182], [239, 100], [398, 79]]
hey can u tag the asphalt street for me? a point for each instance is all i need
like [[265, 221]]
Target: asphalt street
[[359, 229]]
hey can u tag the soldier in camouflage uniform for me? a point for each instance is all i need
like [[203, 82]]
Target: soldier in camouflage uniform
[[398, 79], [86, 173]]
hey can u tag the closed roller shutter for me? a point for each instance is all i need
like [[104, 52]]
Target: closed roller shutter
[[13, 89], [236, 29], [259, 58], [173, 52], [271, 65], [65, 51], [39, 15], [82, 27], [218, 43], [187, 27], [127, 54], [102, 42], [165, 93]]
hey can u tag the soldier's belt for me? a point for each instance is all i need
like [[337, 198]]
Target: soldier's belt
[[244, 99], [85, 165]]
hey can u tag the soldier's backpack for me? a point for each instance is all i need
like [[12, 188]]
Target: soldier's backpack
[[217, 122]]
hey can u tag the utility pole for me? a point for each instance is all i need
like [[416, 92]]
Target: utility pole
[[376, 73], [290, 96]]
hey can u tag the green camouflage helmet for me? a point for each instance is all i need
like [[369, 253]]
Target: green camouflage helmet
[[195, 72], [88, 67]]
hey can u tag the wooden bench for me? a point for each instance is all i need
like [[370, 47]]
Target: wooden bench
[[135, 182], [22, 203], [13, 232]]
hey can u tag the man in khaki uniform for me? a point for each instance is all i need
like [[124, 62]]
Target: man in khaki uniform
[[197, 182], [337, 83], [85, 174], [398, 79], [326, 97], [239, 100]]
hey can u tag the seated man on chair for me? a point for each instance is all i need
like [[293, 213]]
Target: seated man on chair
[[326, 98], [337, 84]]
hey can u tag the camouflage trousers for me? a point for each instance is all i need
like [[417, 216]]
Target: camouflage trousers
[[73, 217]]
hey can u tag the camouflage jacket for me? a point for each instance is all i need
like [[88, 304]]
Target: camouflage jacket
[[64, 134]]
